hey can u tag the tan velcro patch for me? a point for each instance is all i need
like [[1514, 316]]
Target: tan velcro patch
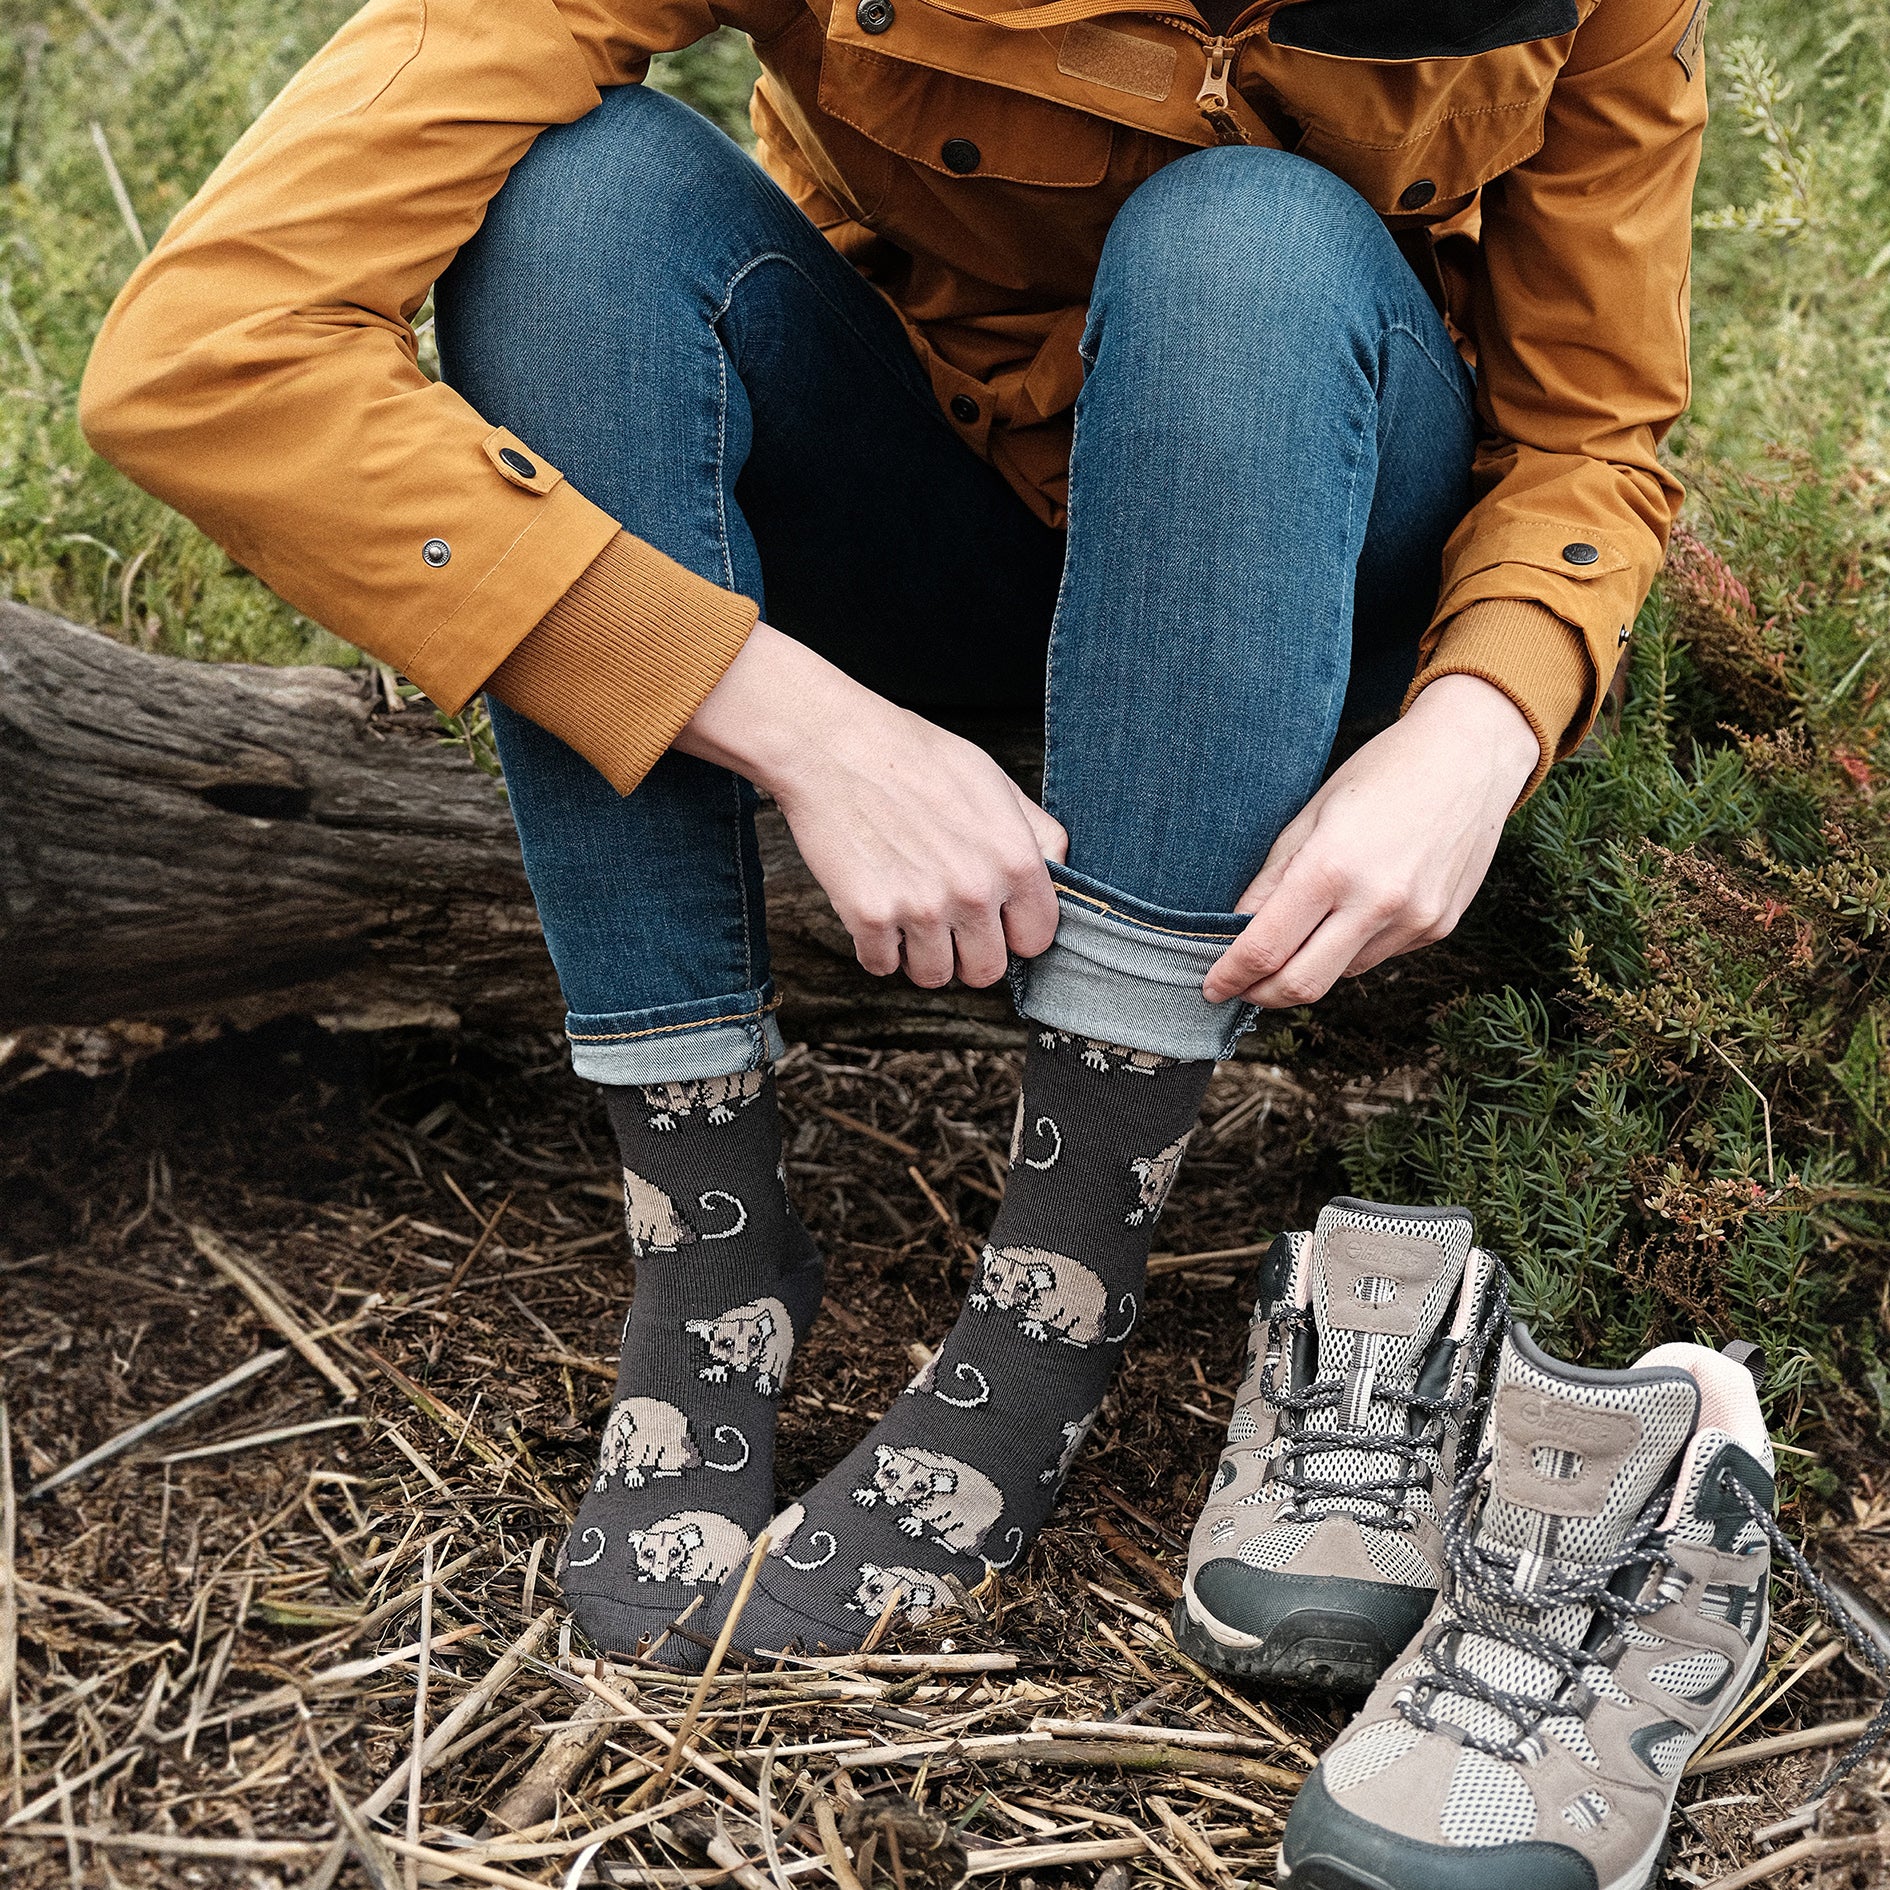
[[1119, 61]]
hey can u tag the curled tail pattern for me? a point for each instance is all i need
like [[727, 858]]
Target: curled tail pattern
[[1016, 1538], [1126, 1304], [967, 1373], [819, 1535], [585, 1561], [720, 1434], [708, 1201]]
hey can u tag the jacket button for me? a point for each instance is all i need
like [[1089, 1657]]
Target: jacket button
[[961, 156], [1417, 195], [874, 16], [964, 410], [1579, 553], [436, 551], [512, 457]]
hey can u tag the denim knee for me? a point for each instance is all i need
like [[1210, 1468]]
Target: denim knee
[[639, 179], [1245, 235]]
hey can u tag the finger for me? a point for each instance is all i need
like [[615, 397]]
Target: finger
[[1290, 917], [928, 954], [876, 946], [1318, 964], [979, 943], [1030, 912], [1053, 843]]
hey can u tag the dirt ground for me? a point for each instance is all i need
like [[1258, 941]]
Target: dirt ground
[[218, 1655]]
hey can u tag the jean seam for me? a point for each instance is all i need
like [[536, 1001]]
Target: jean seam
[[925, 401], [1131, 919], [749, 1016], [1056, 614], [1453, 381]]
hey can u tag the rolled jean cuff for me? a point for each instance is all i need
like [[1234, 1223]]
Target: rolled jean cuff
[[677, 1043], [1130, 973]]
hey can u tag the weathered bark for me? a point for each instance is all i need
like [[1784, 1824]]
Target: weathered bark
[[189, 846]]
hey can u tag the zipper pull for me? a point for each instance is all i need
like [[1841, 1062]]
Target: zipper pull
[[1211, 100]]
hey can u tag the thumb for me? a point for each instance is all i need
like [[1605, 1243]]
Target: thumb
[[1052, 842]]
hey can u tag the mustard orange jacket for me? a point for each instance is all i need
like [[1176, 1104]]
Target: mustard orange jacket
[[1534, 158]]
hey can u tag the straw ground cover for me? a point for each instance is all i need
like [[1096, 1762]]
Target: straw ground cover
[[218, 1655]]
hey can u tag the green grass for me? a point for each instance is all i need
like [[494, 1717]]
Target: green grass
[[1706, 899]]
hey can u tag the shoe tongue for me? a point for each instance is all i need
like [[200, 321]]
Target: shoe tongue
[[1383, 1280], [1577, 1454]]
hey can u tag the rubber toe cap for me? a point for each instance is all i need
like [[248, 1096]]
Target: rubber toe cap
[[1326, 1847], [1318, 1629]]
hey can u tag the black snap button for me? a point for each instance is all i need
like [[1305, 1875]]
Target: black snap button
[[964, 409], [525, 468], [436, 551], [1625, 633], [1579, 553], [1417, 195], [874, 16], [961, 156]]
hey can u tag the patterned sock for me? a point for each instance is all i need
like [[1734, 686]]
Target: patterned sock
[[728, 1281], [958, 1477]]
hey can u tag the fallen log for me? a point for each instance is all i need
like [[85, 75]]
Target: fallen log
[[189, 847]]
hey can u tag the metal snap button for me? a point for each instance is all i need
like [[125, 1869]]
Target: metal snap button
[[964, 409], [1417, 195], [961, 156], [436, 551], [1579, 553], [874, 16], [512, 457]]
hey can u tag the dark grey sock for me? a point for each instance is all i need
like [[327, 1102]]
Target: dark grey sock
[[728, 1282], [961, 1473]]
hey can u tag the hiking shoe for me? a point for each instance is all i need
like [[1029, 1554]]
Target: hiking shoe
[[1605, 1611], [1319, 1552]]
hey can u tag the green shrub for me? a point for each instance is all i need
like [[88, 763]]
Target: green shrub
[[1681, 1126]]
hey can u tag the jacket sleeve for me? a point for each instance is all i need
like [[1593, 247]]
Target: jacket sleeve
[[259, 370], [1580, 317]]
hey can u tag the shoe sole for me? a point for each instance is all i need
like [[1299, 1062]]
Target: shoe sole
[[1326, 1656]]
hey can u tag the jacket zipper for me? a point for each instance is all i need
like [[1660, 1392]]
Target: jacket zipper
[[1211, 100], [1221, 50]]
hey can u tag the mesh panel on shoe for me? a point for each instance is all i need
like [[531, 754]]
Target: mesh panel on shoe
[[1397, 1560], [1274, 1548], [1671, 1753], [1569, 1730], [1368, 1753], [1489, 1802], [1691, 1674]]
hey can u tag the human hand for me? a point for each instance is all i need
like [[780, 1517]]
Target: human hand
[[930, 853], [1389, 852]]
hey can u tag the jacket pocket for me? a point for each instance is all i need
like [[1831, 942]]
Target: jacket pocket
[[1421, 138], [960, 128]]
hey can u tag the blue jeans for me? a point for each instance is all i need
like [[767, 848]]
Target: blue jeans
[[1272, 444]]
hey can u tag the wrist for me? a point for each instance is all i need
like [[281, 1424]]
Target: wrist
[[771, 712], [1484, 717]]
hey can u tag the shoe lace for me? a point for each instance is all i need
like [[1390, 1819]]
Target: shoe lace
[[1862, 1643], [1488, 1601], [1385, 1501]]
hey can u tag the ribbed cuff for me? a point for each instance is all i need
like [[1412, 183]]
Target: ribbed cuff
[[1539, 662], [624, 658]]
